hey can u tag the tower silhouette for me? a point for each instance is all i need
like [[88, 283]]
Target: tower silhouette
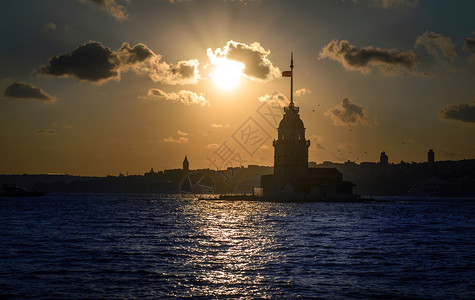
[[431, 156], [383, 158], [186, 164], [293, 180], [291, 147]]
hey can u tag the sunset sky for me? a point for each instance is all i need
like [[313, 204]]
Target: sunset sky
[[97, 87]]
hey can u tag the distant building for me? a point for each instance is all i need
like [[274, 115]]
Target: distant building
[[383, 159], [293, 180], [431, 156], [150, 173], [186, 164]]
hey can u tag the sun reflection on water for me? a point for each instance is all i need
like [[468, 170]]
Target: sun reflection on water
[[228, 243]]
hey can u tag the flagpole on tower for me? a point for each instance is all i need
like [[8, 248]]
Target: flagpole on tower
[[291, 75], [291, 79]]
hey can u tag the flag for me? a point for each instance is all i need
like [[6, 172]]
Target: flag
[[287, 74]]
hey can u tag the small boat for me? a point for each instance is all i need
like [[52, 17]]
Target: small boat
[[13, 190]]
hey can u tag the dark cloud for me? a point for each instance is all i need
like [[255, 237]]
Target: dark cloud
[[186, 97], [135, 54], [97, 63], [115, 10], [145, 62], [184, 72], [459, 112], [437, 45], [89, 62], [469, 43], [390, 62], [254, 58], [348, 113], [184, 69], [26, 91]]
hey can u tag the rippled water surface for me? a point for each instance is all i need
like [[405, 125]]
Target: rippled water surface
[[152, 246]]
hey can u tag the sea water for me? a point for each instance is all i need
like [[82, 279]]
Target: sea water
[[80, 246]]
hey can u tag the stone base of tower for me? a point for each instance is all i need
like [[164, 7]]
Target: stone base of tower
[[316, 184]]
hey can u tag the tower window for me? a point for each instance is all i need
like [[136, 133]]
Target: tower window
[[291, 137], [283, 136]]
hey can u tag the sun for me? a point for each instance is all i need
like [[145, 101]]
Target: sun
[[227, 73]]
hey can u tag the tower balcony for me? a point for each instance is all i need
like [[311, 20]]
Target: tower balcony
[[290, 142], [291, 108]]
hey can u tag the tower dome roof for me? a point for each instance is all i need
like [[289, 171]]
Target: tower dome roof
[[291, 120]]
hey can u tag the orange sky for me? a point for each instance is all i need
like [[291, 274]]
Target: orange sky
[[96, 89]]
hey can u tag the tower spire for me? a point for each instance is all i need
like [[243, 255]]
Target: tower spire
[[291, 79]]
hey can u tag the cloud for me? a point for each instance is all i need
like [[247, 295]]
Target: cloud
[[212, 146], [316, 142], [389, 62], [219, 125], [46, 132], [180, 140], [459, 112], [135, 54], [254, 58], [276, 99], [115, 10], [348, 113], [302, 91], [89, 62], [469, 45], [184, 72], [22, 90], [145, 62], [437, 45], [96, 63], [51, 26], [185, 97]]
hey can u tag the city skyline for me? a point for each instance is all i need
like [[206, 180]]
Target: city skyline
[[114, 86]]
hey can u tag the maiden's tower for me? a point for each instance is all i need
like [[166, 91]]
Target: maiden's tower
[[293, 180]]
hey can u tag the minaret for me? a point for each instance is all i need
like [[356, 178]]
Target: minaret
[[291, 147], [430, 156], [186, 164], [383, 158]]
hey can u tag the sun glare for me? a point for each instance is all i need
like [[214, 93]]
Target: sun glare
[[227, 73]]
